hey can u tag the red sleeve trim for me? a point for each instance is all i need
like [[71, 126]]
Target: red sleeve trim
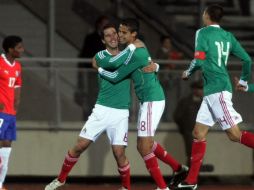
[[200, 55]]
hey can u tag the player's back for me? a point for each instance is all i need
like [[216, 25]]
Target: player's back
[[146, 85], [217, 45]]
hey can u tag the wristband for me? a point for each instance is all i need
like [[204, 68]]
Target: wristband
[[243, 83]]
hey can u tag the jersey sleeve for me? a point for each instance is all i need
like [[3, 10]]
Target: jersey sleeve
[[239, 52], [122, 72], [109, 62], [250, 87], [18, 82], [200, 53]]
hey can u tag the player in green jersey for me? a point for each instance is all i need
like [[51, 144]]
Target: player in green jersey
[[110, 114], [151, 98], [212, 49]]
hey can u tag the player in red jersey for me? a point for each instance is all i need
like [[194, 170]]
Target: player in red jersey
[[10, 85]]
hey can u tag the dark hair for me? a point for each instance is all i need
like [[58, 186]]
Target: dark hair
[[99, 21], [10, 42], [215, 12], [132, 24], [109, 25]]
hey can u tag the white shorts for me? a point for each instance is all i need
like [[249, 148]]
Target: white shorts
[[218, 107], [113, 121], [149, 117]]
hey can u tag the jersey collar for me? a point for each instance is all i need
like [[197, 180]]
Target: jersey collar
[[215, 25], [6, 60]]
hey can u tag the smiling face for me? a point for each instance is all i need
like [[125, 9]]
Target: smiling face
[[110, 38], [125, 35]]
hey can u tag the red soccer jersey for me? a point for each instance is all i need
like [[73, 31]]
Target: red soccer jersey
[[10, 78]]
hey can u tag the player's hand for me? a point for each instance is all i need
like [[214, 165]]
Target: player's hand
[[152, 67], [238, 86], [138, 43], [185, 75]]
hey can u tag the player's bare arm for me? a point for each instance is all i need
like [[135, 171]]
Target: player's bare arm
[[17, 98], [94, 64]]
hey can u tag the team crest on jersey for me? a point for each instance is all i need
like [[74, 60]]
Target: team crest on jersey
[[6, 72]]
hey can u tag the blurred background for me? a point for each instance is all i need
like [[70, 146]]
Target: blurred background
[[60, 87]]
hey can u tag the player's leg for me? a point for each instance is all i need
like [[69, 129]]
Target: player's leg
[[7, 135], [204, 120], [5, 152], [146, 129], [95, 125], [123, 165], [118, 137]]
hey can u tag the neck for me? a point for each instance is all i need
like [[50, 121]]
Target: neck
[[9, 58], [212, 23], [113, 51]]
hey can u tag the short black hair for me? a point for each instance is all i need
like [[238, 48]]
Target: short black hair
[[109, 25], [11, 42], [132, 24], [215, 12]]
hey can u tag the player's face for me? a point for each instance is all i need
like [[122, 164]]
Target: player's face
[[110, 38], [17, 50], [125, 35]]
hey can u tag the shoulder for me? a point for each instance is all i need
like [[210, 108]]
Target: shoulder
[[101, 54]]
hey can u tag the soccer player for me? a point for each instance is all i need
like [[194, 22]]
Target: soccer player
[[151, 98], [110, 114], [212, 49], [10, 87]]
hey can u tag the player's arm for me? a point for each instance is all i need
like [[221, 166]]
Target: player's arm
[[199, 55], [114, 62], [238, 51], [121, 73], [243, 88], [151, 68], [17, 91], [94, 63]]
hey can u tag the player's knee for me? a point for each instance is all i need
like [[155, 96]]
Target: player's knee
[[198, 135], [119, 153]]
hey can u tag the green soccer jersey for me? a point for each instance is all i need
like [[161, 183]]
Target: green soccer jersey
[[146, 85], [110, 94], [251, 88], [212, 49]]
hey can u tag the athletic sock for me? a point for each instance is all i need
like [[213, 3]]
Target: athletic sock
[[5, 155], [68, 163], [125, 176], [153, 168], [164, 156], [247, 139], [197, 155]]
